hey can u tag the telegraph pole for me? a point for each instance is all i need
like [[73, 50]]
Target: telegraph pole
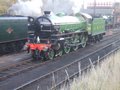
[[53, 5], [114, 14], [83, 4], [94, 9]]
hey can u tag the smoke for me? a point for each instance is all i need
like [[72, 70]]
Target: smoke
[[57, 6], [66, 6], [36, 7], [26, 8], [77, 5]]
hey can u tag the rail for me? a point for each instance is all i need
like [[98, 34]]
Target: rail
[[63, 75]]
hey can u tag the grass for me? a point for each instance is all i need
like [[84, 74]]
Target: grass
[[106, 76]]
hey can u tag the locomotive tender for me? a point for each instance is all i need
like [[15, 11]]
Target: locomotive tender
[[13, 33], [52, 35]]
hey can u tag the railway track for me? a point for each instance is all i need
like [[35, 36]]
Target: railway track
[[23, 66], [18, 68], [10, 53], [29, 68], [55, 79]]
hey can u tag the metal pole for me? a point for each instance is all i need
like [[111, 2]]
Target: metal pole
[[83, 4], [94, 12], [53, 5], [114, 14]]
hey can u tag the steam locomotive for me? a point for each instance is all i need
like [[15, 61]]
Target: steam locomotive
[[54, 35]]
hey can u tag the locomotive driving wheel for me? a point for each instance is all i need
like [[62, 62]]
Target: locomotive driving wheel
[[75, 41], [67, 48], [83, 40], [50, 54], [58, 50], [35, 54]]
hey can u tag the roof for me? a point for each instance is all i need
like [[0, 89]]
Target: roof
[[86, 15]]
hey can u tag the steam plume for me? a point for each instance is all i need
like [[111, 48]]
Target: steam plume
[[36, 7], [26, 8], [66, 6]]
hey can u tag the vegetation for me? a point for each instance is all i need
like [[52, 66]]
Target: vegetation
[[5, 4], [104, 77]]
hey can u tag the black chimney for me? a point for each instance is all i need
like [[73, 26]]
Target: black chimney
[[47, 12]]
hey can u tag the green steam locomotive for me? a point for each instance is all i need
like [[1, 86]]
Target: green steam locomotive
[[53, 35]]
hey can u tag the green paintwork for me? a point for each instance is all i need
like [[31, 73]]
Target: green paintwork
[[77, 23], [68, 23], [98, 26], [60, 14], [12, 28], [73, 27], [89, 29], [76, 26]]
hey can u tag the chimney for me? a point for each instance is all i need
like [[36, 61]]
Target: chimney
[[47, 13]]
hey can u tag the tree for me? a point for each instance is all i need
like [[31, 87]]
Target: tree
[[5, 4]]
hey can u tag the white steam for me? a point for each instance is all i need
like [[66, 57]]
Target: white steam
[[26, 8], [77, 5], [58, 6], [66, 6], [36, 7]]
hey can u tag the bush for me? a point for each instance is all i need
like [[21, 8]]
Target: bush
[[5, 4], [103, 77]]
